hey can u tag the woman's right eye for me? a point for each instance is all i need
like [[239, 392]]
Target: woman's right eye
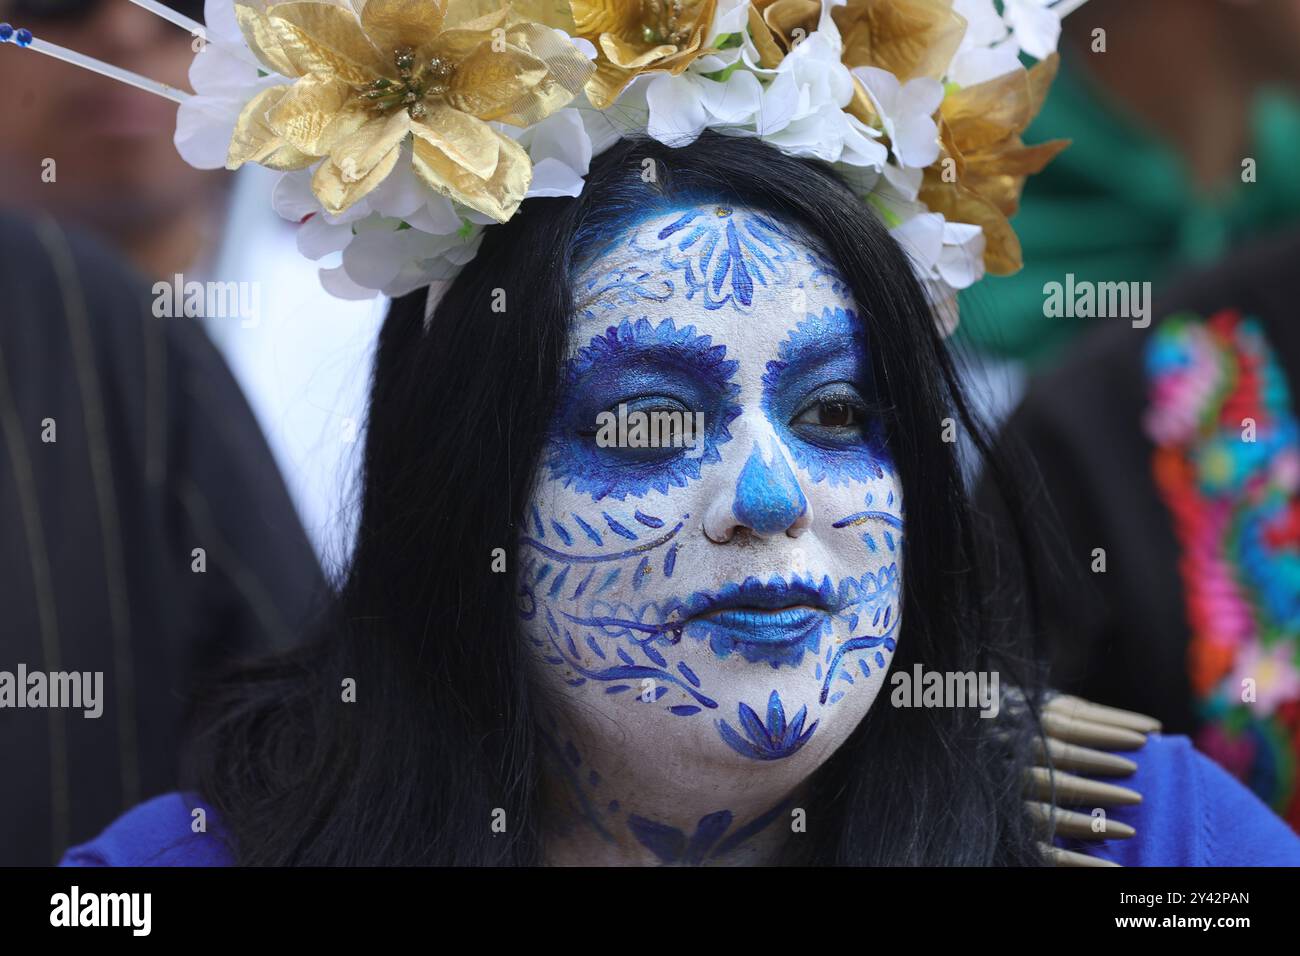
[[644, 428]]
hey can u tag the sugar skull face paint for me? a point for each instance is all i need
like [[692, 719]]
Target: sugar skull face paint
[[735, 603]]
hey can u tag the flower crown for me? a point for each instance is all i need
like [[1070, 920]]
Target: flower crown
[[403, 128]]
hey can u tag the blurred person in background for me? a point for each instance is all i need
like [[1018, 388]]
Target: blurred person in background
[[1170, 453], [99, 154], [148, 534], [157, 452], [302, 358], [1161, 121]]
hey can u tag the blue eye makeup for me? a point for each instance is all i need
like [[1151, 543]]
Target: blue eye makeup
[[819, 395], [667, 376]]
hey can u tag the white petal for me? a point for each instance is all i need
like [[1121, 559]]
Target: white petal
[[905, 181], [920, 96], [338, 284], [437, 217], [979, 64], [318, 238], [204, 126], [220, 23], [732, 16], [561, 137], [734, 101], [882, 86], [922, 239], [554, 178], [961, 263], [1037, 28], [676, 115], [374, 257], [781, 105], [292, 197], [402, 193], [983, 25], [916, 142]]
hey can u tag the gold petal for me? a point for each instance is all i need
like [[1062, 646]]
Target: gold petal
[[468, 142], [394, 24], [606, 83], [316, 113], [860, 106], [456, 44], [909, 38], [327, 40], [1041, 76], [633, 56], [988, 112], [786, 16], [358, 154], [503, 86], [537, 74], [254, 141], [567, 65], [1016, 158], [552, 13], [595, 17], [475, 14], [263, 41], [337, 192], [770, 53], [998, 174], [497, 197]]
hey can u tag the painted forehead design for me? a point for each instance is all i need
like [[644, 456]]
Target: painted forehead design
[[711, 256]]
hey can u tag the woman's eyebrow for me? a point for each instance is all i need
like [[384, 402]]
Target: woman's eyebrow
[[825, 349]]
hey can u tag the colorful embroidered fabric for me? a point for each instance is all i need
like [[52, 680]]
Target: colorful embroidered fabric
[[1227, 464]]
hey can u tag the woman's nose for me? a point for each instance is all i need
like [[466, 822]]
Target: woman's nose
[[765, 498]]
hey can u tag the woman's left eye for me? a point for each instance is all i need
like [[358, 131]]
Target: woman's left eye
[[831, 414], [836, 410]]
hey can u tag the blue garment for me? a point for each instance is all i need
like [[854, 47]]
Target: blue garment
[[1192, 814], [157, 833]]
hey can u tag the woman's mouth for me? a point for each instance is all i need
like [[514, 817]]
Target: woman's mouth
[[766, 625], [772, 615]]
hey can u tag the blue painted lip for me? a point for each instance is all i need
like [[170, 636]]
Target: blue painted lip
[[754, 613], [777, 627]]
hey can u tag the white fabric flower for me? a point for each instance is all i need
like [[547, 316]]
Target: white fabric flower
[[800, 111], [906, 112]]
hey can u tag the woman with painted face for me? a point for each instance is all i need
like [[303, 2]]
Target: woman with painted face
[[578, 629]]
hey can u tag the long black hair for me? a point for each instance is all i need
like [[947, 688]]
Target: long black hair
[[443, 729]]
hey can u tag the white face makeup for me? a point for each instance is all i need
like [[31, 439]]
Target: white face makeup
[[716, 618]]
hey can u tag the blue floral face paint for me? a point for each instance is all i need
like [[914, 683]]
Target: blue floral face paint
[[704, 612]]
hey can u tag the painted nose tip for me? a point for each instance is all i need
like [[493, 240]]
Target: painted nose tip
[[768, 497]]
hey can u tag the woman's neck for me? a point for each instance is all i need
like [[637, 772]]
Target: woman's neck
[[606, 807]]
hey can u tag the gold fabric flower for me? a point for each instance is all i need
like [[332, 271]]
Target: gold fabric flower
[[909, 38], [983, 162], [371, 72], [631, 37]]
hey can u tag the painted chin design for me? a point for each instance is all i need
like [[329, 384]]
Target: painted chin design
[[774, 622]]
